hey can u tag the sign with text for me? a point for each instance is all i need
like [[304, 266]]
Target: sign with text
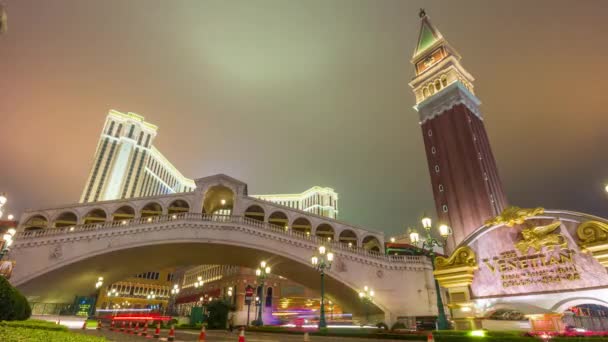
[[248, 294]]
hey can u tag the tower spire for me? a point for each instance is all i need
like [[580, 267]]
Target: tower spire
[[463, 172]]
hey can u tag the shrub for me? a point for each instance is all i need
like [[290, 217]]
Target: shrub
[[398, 325], [382, 325], [34, 324], [13, 305]]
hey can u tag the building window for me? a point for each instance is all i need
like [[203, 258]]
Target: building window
[[445, 208], [444, 81], [440, 187], [425, 93], [433, 150], [430, 133], [437, 85], [111, 129], [131, 131], [437, 168]]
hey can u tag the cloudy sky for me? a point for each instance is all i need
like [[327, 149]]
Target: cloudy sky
[[286, 94]]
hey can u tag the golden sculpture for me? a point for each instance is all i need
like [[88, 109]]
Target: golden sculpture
[[592, 232], [463, 256], [541, 236], [514, 215], [593, 237]]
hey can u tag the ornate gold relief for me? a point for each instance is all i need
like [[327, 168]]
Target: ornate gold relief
[[593, 238], [457, 270], [514, 215], [463, 256], [539, 237], [592, 232]]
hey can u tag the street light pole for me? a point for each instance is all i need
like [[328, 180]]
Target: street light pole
[[262, 273], [321, 263], [367, 297], [428, 249]]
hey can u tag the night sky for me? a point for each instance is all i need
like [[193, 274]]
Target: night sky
[[288, 94]]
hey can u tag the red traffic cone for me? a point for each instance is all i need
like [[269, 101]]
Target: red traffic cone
[[306, 337], [201, 336], [84, 325], [144, 332], [171, 336], [99, 324], [430, 338], [136, 328], [157, 331], [129, 328], [112, 325], [242, 335], [122, 326]]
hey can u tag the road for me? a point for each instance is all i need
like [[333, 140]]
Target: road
[[223, 336]]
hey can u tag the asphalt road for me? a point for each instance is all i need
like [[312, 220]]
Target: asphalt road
[[223, 336]]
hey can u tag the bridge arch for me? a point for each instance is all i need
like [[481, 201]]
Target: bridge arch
[[151, 209], [371, 243], [95, 215], [325, 232], [125, 212], [36, 222], [178, 206], [348, 237], [218, 198], [65, 219], [302, 225], [255, 212], [279, 218]]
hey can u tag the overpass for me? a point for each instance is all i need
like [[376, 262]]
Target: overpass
[[60, 252]]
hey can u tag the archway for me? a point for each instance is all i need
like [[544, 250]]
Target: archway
[[279, 218], [66, 219], [348, 237], [34, 223], [95, 216], [125, 212], [219, 199], [151, 209], [178, 207], [371, 243], [592, 317], [301, 225], [325, 232], [255, 212]]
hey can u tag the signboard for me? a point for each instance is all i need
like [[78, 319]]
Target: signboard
[[535, 256], [248, 294]]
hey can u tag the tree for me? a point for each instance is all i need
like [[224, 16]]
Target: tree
[[13, 305], [217, 312]]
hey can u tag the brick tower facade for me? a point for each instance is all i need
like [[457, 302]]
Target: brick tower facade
[[463, 172]]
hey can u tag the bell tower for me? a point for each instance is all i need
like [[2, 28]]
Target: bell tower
[[463, 172]]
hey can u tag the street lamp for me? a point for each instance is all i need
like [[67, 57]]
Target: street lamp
[[151, 295], [2, 202], [427, 248], [321, 263], [98, 286], [367, 297], [262, 273], [7, 241]]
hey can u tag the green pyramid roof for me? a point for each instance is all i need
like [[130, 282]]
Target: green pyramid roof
[[428, 36]]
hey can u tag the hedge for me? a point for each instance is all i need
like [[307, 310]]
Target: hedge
[[34, 324], [19, 334], [13, 305]]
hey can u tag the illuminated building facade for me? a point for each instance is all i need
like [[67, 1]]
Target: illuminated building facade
[[316, 200], [127, 165], [463, 172], [144, 291], [284, 302]]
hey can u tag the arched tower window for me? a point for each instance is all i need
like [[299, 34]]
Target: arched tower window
[[437, 85], [425, 92], [444, 81]]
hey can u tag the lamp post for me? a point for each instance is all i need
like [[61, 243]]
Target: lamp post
[[262, 273], [199, 282], [174, 293], [98, 286], [427, 248], [7, 241], [321, 263], [2, 200], [367, 297]]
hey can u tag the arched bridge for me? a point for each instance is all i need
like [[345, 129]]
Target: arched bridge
[[59, 256]]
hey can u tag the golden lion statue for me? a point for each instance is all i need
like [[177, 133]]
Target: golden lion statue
[[541, 236]]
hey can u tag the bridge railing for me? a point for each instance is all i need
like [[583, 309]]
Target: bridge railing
[[225, 219]]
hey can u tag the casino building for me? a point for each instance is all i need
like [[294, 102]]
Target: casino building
[[510, 267]]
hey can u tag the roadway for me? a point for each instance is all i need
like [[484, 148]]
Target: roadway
[[224, 336]]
